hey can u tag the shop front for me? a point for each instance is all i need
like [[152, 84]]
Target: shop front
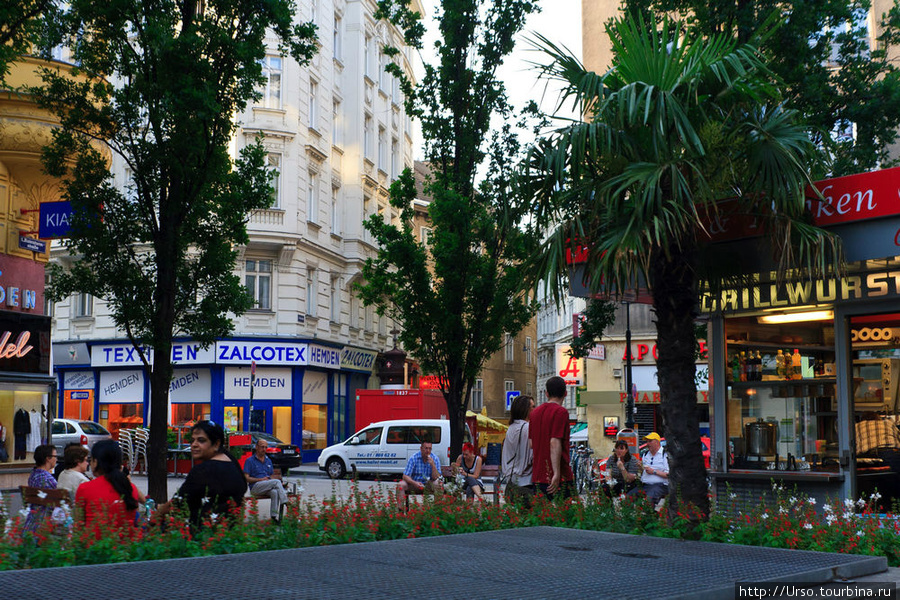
[[799, 365], [27, 393], [297, 391]]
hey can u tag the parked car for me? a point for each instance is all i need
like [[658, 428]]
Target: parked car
[[384, 447], [600, 469], [283, 456], [87, 433]]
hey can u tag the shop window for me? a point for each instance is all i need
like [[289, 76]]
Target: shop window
[[258, 281], [780, 409], [116, 417], [281, 423], [315, 426], [234, 418], [187, 414]]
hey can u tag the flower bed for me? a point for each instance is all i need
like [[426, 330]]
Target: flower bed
[[793, 522]]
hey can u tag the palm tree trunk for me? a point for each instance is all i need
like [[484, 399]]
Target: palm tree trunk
[[674, 287]]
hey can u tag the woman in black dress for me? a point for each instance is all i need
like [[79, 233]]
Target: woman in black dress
[[215, 486]]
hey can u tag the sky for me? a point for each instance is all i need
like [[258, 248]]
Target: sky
[[559, 21]]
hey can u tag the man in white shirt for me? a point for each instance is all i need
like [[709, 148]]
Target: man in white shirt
[[655, 478]]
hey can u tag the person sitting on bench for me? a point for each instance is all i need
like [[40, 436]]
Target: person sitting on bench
[[422, 474]]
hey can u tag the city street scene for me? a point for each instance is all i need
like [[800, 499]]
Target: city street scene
[[339, 298]]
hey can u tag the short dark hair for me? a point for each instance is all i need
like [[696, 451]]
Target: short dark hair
[[213, 431], [556, 387], [42, 454], [518, 411], [621, 444], [73, 455]]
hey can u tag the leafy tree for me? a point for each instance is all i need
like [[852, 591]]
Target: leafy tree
[[680, 120], [161, 251], [821, 53], [21, 28], [456, 297]]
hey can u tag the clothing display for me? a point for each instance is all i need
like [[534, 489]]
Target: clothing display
[[21, 431], [34, 435]]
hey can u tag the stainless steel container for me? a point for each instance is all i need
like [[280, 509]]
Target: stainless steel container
[[761, 438]]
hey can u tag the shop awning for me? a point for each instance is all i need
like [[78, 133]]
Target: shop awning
[[486, 422]]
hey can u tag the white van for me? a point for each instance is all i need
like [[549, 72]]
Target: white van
[[384, 447]]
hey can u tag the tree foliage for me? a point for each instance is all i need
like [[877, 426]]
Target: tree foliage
[[457, 296], [166, 82], [21, 28], [847, 91], [681, 120]]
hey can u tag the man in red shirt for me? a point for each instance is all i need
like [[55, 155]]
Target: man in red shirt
[[549, 433]]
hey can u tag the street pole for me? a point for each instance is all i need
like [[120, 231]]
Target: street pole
[[252, 385], [629, 403]]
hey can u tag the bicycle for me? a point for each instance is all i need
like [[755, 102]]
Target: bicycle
[[581, 466]]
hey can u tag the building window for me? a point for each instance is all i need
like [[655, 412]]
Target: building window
[[312, 199], [527, 350], [509, 385], [510, 349], [84, 305], [314, 11], [367, 137], [334, 300], [312, 293], [338, 35], [382, 149], [529, 389], [258, 281], [425, 235], [313, 103], [335, 210], [477, 395], [337, 137], [395, 157], [382, 73], [273, 160], [367, 59], [271, 66]]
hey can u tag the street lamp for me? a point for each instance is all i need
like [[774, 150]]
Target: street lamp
[[629, 402]]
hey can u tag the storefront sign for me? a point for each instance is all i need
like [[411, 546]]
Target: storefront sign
[[78, 380], [71, 354], [323, 356], [190, 385], [568, 367], [264, 353], [867, 286], [119, 355], [357, 359], [269, 384], [855, 197], [315, 387], [56, 219], [610, 426], [121, 386], [24, 343], [430, 382], [598, 352]]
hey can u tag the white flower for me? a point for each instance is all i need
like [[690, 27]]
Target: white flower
[[765, 515], [205, 500], [24, 512], [849, 503], [860, 503], [860, 533], [875, 497], [828, 509], [732, 496], [782, 511], [830, 519], [792, 500], [42, 494], [812, 501], [213, 517], [807, 526]]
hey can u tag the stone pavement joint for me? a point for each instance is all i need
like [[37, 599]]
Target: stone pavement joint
[[528, 563]]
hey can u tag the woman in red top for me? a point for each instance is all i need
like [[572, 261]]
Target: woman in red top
[[109, 501]]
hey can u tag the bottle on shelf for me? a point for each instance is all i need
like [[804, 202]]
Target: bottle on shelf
[[736, 367], [759, 366], [744, 367], [796, 365], [819, 368], [779, 365]]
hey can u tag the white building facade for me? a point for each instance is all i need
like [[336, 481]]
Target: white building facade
[[337, 133]]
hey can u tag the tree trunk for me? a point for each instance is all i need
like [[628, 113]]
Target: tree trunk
[[160, 378], [674, 288]]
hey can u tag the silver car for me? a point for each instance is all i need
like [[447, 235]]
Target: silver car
[[86, 433]]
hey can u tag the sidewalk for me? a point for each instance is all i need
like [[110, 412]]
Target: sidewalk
[[530, 563]]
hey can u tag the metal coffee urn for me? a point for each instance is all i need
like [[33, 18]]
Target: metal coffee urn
[[761, 438]]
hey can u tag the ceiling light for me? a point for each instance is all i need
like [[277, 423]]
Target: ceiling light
[[813, 315]]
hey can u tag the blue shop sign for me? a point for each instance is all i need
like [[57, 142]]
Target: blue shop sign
[[56, 219]]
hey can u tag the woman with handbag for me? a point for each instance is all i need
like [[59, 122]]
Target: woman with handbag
[[517, 455]]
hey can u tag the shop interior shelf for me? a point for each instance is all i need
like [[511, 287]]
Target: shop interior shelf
[[743, 385], [781, 345]]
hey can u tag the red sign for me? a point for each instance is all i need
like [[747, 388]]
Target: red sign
[[430, 382], [856, 197]]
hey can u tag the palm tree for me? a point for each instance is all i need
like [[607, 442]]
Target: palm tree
[[678, 123]]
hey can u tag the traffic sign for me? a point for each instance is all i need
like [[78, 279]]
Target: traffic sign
[[509, 397]]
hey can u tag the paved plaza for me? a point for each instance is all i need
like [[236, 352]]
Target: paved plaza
[[531, 563]]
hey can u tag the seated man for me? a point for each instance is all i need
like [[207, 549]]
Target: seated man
[[258, 471], [655, 479], [880, 438], [423, 473]]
